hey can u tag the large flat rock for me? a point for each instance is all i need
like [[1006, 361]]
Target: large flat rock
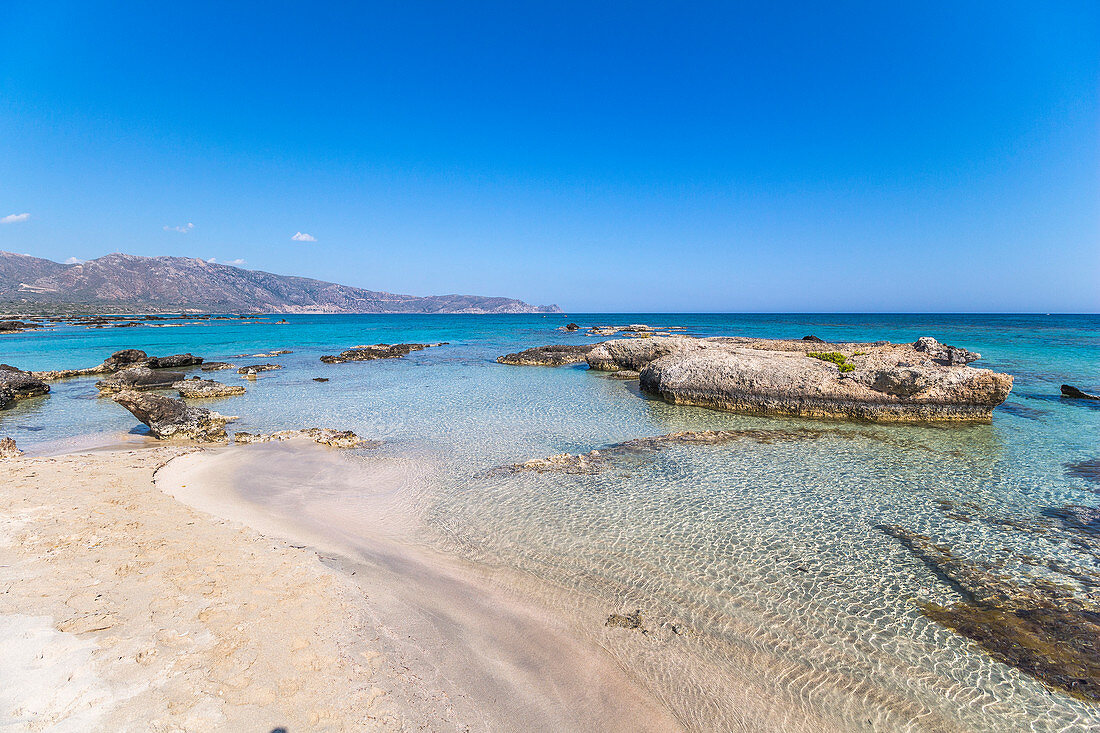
[[921, 382]]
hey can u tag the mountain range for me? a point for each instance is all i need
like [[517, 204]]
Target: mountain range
[[129, 283]]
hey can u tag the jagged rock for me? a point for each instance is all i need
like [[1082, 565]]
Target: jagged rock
[[943, 353], [8, 449], [1068, 390], [255, 368], [571, 327], [138, 378], [213, 366], [882, 382], [555, 355], [374, 351], [173, 418], [175, 361], [123, 359], [206, 388], [16, 384], [324, 436]]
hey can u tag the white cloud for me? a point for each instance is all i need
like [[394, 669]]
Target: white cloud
[[14, 218], [237, 262], [182, 228], [74, 261], [303, 237]]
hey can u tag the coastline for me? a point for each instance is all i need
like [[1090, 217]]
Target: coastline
[[226, 620]]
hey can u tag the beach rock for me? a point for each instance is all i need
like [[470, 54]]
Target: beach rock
[[175, 361], [613, 356], [256, 368], [323, 436], [881, 382], [123, 359], [944, 354], [16, 384], [138, 378], [206, 388], [555, 355], [173, 418], [1068, 390], [214, 366], [374, 351], [8, 449]]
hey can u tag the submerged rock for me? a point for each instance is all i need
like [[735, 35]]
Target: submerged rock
[[881, 381], [631, 621], [1039, 627], [374, 351], [8, 449], [206, 388], [324, 436], [555, 355], [174, 418], [1088, 470], [1068, 390], [16, 384], [138, 378]]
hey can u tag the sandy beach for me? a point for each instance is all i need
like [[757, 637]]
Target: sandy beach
[[123, 608]]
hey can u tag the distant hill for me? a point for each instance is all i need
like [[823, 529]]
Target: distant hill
[[128, 283]]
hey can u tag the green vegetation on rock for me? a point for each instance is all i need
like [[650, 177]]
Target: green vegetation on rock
[[834, 357]]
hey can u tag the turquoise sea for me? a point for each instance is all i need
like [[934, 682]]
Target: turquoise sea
[[761, 566]]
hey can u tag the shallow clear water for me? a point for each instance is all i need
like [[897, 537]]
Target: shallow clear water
[[760, 567]]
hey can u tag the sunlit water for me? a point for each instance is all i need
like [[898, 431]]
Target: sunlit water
[[759, 567]]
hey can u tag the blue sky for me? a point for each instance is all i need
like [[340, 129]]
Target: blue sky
[[604, 156]]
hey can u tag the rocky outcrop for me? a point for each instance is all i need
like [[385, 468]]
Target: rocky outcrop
[[175, 361], [883, 382], [8, 449], [173, 418], [256, 368], [374, 351], [124, 359], [214, 366], [324, 436], [555, 355], [138, 378], [196, 388], [16, 326], [16, 384], [1068, 390]]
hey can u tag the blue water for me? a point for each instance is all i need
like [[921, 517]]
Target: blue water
[[766, 553]]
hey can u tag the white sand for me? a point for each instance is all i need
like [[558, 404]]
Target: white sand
[[123, 609]]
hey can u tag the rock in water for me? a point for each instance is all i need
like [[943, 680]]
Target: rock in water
[[1068, 390], [555, 355], [175, 361], [16, 384], [8, 449], [880, 382], [324, 436], [374, 351], [214, 366], [139, 377], [206, 388], [172, 418], [571, 327], [254, 368], [123, 359]]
